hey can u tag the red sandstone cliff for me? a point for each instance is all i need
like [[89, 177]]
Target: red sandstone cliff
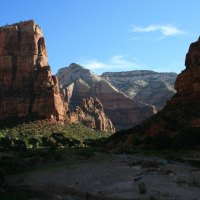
[[27, 89], [91, 113], [183, 110], [188, 81]]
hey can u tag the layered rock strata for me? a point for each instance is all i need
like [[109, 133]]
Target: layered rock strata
[[28, 91], [78, 83], [91, 113], [143, 85]]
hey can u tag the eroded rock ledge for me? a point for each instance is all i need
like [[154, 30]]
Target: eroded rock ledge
[[91, 113]]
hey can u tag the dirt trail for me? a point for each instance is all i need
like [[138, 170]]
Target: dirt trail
[[115, 177]]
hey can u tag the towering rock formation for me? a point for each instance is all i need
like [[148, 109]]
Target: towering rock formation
[[188, 81], [28, 91], [186, 102], [181, 113], [91, 113], [79, 83], [143, 85]]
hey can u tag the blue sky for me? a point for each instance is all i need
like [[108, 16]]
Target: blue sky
[[112, 35]]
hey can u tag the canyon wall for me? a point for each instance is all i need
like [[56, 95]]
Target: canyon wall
[[28, 91], [181, 115]]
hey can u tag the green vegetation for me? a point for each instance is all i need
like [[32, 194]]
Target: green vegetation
[[29, 146], [24, 146], [43, 135]]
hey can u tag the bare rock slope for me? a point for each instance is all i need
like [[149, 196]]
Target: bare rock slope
[[143, 85], [78, 83]]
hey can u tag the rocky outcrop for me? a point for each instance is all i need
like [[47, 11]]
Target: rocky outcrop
[[187, 84], [181, 113], [143, 85], [28, 91], [78, 83], [91, 113], [188, 81]]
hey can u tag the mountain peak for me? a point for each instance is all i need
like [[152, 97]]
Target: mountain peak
[[74, 72], [76, 66]]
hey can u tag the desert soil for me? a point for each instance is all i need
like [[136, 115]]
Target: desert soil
[[116, 177]]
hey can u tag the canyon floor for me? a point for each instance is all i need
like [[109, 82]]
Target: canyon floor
[[102, 176]]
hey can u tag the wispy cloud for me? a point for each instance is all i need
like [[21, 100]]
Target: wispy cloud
[[164, 30], [117, 62], [123, 61]]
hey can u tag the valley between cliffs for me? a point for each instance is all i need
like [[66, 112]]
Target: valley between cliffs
[[57, 158], [111, 177]]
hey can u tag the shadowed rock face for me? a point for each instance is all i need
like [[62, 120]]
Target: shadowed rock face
[[28, 91], [188, 81], [79, 83], [91, 113], [187, 98]]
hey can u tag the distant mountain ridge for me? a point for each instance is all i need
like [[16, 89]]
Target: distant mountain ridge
[[70, 74], [79, 83], [144, 85]]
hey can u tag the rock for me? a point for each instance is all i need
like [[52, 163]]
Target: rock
[[181, 113], [143, 85], [91, 113], [78, 83], [28, 91], [188, 81], [186, 101]]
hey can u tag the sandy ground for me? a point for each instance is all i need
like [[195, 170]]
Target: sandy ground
[[114, 177]]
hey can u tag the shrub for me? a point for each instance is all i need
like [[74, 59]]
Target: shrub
[[137, 141], [19, 145], [42, 134], [33, 142], [142, 188], [59, 138], [5, 143], [161, 141], [187, 138]]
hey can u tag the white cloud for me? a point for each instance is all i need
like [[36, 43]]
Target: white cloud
[[93, 64], [165, 30], [121, 61], [117, 62]]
